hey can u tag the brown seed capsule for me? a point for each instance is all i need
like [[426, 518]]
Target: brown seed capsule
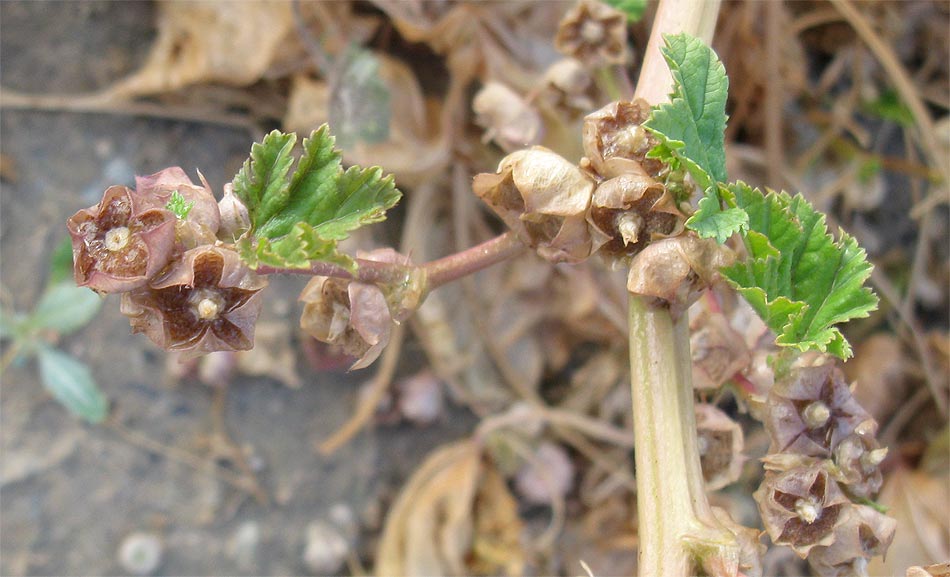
[[811, 411], [544, 199], [858, 458], [632, 210], [208, 301], [594, 33], [507, 118], [120, 243], [614, 134], [676, 270], [801, 507], [720, 446], [349, 314], [567, 83], [864, 534]]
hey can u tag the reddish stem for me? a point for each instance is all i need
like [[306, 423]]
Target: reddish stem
[[438, 272]]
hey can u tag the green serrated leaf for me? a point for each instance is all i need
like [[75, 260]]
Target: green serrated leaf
[[264, 175], [65, 308], [712, 221], [294, 250], [178, 205], [61, 263], [363, 196], [797, 277], [71, 383], [692, 124], [301, 220], [314, 181]]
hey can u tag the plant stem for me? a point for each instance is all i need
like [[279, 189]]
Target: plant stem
[[437, 272], [671, 498], [677, 529]]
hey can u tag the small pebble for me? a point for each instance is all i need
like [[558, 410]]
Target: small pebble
[[326, 549], [140, 553]]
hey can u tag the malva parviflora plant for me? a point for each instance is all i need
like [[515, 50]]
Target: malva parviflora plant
[[191, 271]]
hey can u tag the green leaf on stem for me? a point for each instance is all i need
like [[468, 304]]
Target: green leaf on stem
[[65, 308], [298, 219], [691, 126], [294, 250], [797, 277], [712, 221], [71, 383]]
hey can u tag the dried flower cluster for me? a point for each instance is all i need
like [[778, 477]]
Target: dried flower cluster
[[823, 465], [158, 245], [614, 203], [356, 316]]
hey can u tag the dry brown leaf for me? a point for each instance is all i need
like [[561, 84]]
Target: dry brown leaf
[[878, 371], [920, 503], [212, 41], [453, 517]]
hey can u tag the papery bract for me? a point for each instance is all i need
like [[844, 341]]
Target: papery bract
[[201, 223], [208, 301], [121, 242]]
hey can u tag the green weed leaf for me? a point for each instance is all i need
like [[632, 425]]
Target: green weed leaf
[[797, 277], [65, 308], [692, 124], [178, 205], [294, 250], [300, 217], [71, 383], [711, 221]]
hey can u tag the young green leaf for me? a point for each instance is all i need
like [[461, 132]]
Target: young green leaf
[[712, 221], [296, 221], [178, 205], [264, 174], [692, 124], [71, 383], [294, 250], [797, 277], [65, 308]]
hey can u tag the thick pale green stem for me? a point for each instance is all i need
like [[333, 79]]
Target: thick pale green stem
[[674, 514], [677, 528]]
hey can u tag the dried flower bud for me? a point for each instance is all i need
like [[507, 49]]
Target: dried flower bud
[[801, 507], [120, 243], [594, 33], [544, 199], [632, 210], [864, 534], [718, 350], [200, 225], [569, 81], [207, 301], [811, 411], [720, 446], [614, 133], [349, 314], [858, 458], [507, 118], [676, 270], [234, 217]]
